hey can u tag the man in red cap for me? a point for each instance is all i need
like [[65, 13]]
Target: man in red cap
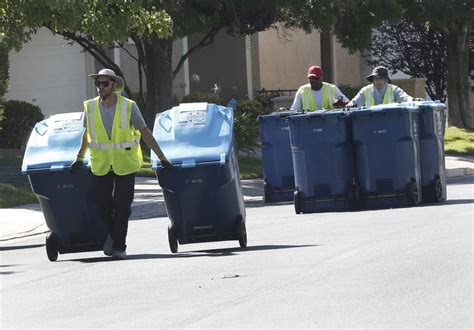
[[317, 95]]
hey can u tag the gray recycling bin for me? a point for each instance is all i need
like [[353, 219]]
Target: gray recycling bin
[[202, 191], [65, 198]]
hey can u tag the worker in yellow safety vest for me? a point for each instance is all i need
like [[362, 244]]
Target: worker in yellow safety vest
[[113, 128], [317, 95], [380, 91]]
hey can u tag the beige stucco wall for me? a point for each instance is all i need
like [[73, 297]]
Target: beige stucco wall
[[348, 67], [50, 73], [284, 57]]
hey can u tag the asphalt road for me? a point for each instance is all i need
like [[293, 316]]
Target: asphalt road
[[406, 268]]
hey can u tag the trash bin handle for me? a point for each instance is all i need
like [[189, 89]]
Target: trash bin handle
[[42, 132]]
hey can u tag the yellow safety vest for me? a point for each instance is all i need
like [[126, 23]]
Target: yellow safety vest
[[122, 152], [308, 101], [389, 96]]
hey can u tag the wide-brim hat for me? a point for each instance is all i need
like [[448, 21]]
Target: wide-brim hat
[[379, 71], [120, 84]]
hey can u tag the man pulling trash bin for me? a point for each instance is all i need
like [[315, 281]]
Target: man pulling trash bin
[[380, 91], [318, 95], [113, 127]]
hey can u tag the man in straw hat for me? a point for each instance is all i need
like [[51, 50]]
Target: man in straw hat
[[113, 127], [380, 91]]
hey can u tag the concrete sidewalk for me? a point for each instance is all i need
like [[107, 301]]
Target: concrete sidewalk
[[28, 220]]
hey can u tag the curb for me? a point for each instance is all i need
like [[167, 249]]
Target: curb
[[459, 172]]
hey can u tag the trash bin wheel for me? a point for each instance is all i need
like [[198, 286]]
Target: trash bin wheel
[[438, 190], [414, 192], [242, 234], [172, 239], [354, 196], [266, 197], [297, 202], [52, 247]]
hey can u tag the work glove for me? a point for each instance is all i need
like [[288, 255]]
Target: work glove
[[340, 103], [76, 165], [165, 162]]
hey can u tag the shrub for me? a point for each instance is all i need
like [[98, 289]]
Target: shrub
[[18, 120], [4, 65], [265, 99], [350, 91], [246, 126]]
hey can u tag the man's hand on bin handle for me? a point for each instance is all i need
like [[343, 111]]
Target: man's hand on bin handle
[[165, 162], [77, 164], [340, 103]]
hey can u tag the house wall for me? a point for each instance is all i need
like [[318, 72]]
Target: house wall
[[223, 63], [284, 57], [49, 73], [350, 69]]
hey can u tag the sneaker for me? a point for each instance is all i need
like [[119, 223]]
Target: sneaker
[[119, 255], [109, 246]]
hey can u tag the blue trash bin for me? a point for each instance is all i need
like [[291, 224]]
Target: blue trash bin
[[65, 199], [279, 178], [387, 156], [202, 192], [322, 161], [433, 170]]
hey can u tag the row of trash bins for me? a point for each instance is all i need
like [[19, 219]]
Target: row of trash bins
[[377, 157], [198, 140]]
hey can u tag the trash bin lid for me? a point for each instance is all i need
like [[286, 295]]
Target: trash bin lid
[[318, 114], [54, 143], [277, 115], [381, 108], [194, 133], [428, 104]]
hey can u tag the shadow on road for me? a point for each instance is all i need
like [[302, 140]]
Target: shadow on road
[[196, 254], [20, 247], [449, 202]]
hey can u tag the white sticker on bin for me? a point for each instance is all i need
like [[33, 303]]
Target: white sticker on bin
[[193, 106], [55, 168], [222, 158], [188, 163]]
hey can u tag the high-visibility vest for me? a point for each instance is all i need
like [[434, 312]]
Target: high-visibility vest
[[122, 152], [389, 96], [307, 99]]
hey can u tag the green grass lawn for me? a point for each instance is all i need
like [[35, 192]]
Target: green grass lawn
[[11, 195], [458, 141]]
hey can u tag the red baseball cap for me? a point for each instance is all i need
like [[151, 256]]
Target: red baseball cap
[[315, 71]]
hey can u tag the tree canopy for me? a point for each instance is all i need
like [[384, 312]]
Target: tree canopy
[[153, 25], [413, 49]]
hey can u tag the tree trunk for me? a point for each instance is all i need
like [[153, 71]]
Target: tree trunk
[[159, 78], [460, 115]]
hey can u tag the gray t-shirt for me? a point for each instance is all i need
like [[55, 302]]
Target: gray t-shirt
[[400, 96], [108, 115]]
